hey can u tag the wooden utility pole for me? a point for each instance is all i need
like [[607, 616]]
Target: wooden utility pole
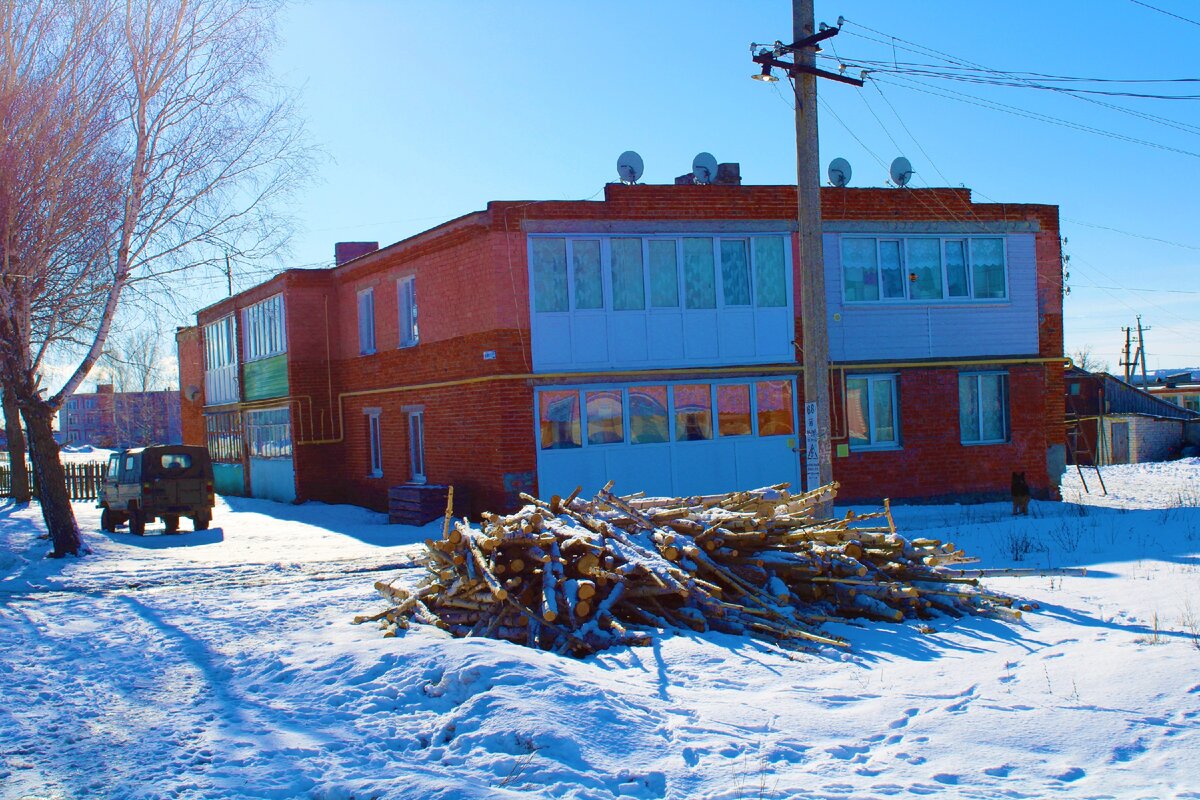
[[1125, 362], [814, 331], [1142, 347]]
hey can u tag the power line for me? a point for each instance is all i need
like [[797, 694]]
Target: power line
[[1164, 11]]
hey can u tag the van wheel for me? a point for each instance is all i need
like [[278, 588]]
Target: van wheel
[[137, 522], [107, 523], [200, 522], [172, 523]]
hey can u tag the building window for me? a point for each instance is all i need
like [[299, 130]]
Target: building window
[[589, 284], [774, 402], [406, 289], [733, 409], [648, 423], [558, 418], [923, 268], [693, 412], [374, 442], [550, 274], [263, 328], [416, 445], [269, 433], [871, 411], [366, 322], [983, 407], [224, 437], [605, 416], [628, 285]]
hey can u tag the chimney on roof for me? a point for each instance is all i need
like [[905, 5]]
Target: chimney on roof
[[104, 388], [348, 251]]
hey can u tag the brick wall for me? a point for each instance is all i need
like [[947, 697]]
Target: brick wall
[[189, 343]]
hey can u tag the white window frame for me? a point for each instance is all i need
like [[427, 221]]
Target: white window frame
[[366, 321], [416, 445], [406, 304], [374, 442], [263, 329], [946, 297], [873, 379], [1007, 418]]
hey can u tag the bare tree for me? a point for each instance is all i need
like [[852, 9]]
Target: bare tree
[[1084, 359], [186, 147], [135, 360]]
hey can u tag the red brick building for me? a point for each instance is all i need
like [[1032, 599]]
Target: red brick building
[[651, 338], [107, 418]]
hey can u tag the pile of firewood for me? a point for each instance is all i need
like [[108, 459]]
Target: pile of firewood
[[580, 576]]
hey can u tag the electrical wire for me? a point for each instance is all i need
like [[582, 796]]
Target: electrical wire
[[1164, 11]]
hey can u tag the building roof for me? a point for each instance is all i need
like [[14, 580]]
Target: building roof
[[1125, 398]]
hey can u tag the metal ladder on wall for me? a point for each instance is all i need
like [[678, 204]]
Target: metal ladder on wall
[[1078, 448]]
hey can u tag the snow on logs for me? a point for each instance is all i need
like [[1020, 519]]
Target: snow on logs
[[579, 576]]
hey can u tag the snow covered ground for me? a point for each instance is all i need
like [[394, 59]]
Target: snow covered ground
[[223, 664]]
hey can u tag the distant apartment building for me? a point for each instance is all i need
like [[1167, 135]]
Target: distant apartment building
[[1180, 388], [111, 419]]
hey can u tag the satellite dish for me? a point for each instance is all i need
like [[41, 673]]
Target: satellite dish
[[839, 172], [704, 168], [901, 171], [629, 166]]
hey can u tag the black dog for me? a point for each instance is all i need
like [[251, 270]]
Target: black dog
[[1020, 494]]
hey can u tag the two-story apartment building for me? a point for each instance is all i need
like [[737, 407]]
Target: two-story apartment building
[[651, 338]]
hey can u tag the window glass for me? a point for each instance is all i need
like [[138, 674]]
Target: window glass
[[114, 466], [987, 267], [375, 443], [883, 415], [924, 269], [770, 281], [605, 423], [550, 274], [956, 268], [859, 269], [700, 289], [858, 414], [558, 414], [648, 414], [733, 410], [224, 437], [664, 274], [693, 412], [968, 407], [366, 322], [735, 272], [269, 433], [176, 461], [407, 294], [891, 270], [628, 288], [993, 407], [589, 288], [774, 401]]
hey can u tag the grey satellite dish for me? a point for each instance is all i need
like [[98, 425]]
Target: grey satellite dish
[[839, 172], [629, 166], [704, 168], [901, 171]]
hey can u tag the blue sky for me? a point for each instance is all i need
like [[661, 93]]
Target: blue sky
[[429, 110]]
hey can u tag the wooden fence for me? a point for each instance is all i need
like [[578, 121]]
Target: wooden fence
[[83, 479]]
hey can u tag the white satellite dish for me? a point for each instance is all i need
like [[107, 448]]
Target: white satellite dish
[[839, 172], [629, 166], [704, 168], [901, 171]]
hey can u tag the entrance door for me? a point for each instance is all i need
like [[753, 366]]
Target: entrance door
[[416, 445], [1120, 443]]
